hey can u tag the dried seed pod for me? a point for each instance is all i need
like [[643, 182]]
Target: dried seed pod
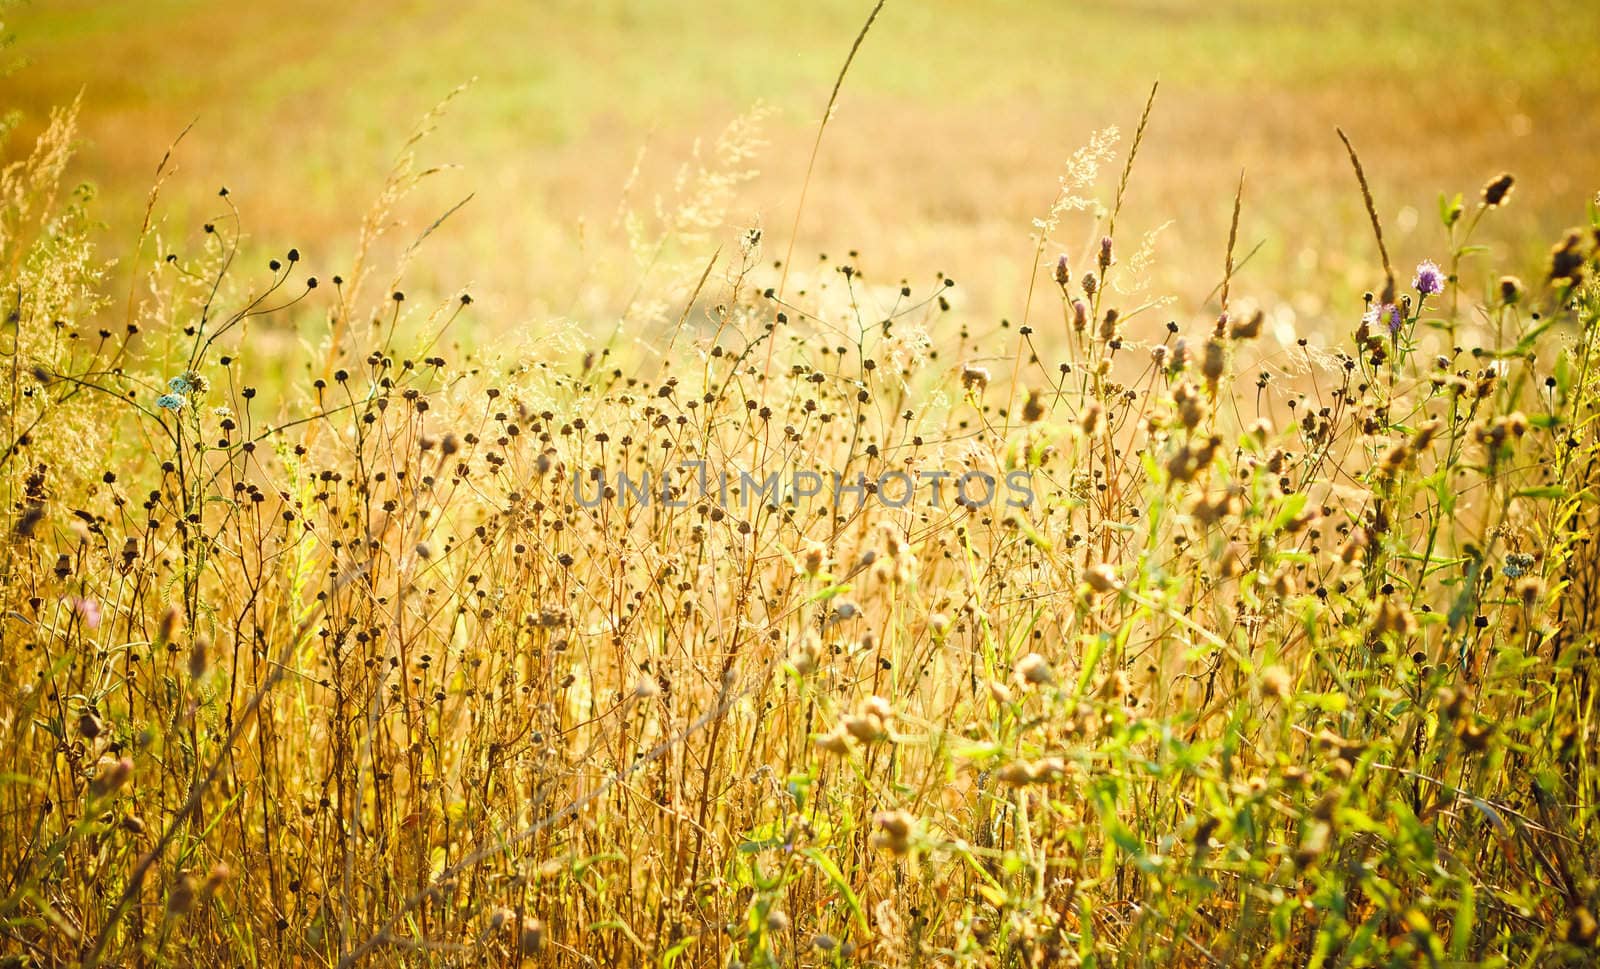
[[894, 830], [1034, 670]]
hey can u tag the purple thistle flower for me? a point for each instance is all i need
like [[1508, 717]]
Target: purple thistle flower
[[89, 610], [1386, 315], [1391, 317], [1429, 278]]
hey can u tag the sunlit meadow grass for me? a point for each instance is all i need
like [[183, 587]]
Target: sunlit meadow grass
[[313, 655]]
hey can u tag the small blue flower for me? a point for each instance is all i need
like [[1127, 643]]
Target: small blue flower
[[178, 385], [1517, 565], [1429, 278], [170, 402]]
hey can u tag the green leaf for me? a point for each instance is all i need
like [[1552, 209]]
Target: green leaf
[[1449, 209], [1546, 491], [828, 868], [1292, 506]]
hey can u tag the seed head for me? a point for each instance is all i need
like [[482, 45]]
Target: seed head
[[1248, 329], [1101, 578], [1498, 189], [1033, 409], [1275, 682], [1034, 670], [532, 936], [180, 901], [894, 830], [1510, 290]]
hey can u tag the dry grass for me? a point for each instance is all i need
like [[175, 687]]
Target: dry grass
[[938, 148]]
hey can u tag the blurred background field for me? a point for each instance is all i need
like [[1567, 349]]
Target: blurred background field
[[948, 139]]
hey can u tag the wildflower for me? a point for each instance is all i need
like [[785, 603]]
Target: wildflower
[[1080, 315], [178, 385], [172, 402], [1106, 259], [1063, 273], [973, 377], [1429, 278], [89, 611], [1386, 315], [1517, 565]]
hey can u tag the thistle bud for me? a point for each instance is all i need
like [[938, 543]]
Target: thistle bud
[[1510, 290], [1496, 192], [1033, 409]]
